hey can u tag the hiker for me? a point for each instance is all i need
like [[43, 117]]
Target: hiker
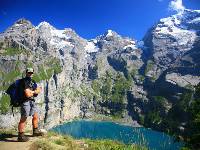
[[28, 106]]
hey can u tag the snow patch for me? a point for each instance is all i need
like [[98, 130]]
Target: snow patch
[[60, 43], [171, 21], [171, 81], [172, 26], [59, 39], [132, 42], [90, 47], [59, 33], [133, 46], [110, 33], [197, 11], [43, 24], [17, 25], [196, 20], [182, 36]]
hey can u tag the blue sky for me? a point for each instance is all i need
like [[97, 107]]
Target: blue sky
[[90, 18]]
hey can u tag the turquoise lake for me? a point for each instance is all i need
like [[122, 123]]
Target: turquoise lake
[[153, 140]]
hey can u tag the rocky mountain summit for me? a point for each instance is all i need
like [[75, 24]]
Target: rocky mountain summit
[[170, 40], [107, 77]]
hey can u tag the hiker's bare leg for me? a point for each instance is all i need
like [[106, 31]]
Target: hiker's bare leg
[[35, 120], [21, 125], [36, 131]]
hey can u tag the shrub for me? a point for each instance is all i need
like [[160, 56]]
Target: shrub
[[4, 104], [149, 66], [96, 86], [14, 51], [121, 85]]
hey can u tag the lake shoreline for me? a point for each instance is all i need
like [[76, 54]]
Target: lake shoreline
[[122, 121]]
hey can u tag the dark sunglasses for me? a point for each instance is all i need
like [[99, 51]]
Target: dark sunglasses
[[30, 72]]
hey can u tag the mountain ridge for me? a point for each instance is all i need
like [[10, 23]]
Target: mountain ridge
[[109, 76]]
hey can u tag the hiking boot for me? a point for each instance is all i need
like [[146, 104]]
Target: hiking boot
[[22, 137], [37, 132]]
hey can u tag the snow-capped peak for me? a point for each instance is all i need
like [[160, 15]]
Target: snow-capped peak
[[176, 26], [109, 33], [44, 24], [187, 16], [57, 38]]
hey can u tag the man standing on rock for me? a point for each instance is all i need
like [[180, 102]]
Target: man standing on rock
[[28, 107]]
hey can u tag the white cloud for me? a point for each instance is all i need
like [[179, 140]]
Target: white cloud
[[176, 5]]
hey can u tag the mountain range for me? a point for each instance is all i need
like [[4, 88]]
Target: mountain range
[[109, 77]]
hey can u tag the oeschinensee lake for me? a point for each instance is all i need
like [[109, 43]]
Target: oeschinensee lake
[[153, 140]]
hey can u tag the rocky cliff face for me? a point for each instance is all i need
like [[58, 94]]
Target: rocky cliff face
[[110, 75], [169, 40], [66, 67], [170, 48], [171, 68]]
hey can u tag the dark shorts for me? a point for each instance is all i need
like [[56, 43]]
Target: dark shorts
[[28, 109]]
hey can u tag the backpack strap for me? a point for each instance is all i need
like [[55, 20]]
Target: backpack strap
[[21, 90], [34, 84]]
